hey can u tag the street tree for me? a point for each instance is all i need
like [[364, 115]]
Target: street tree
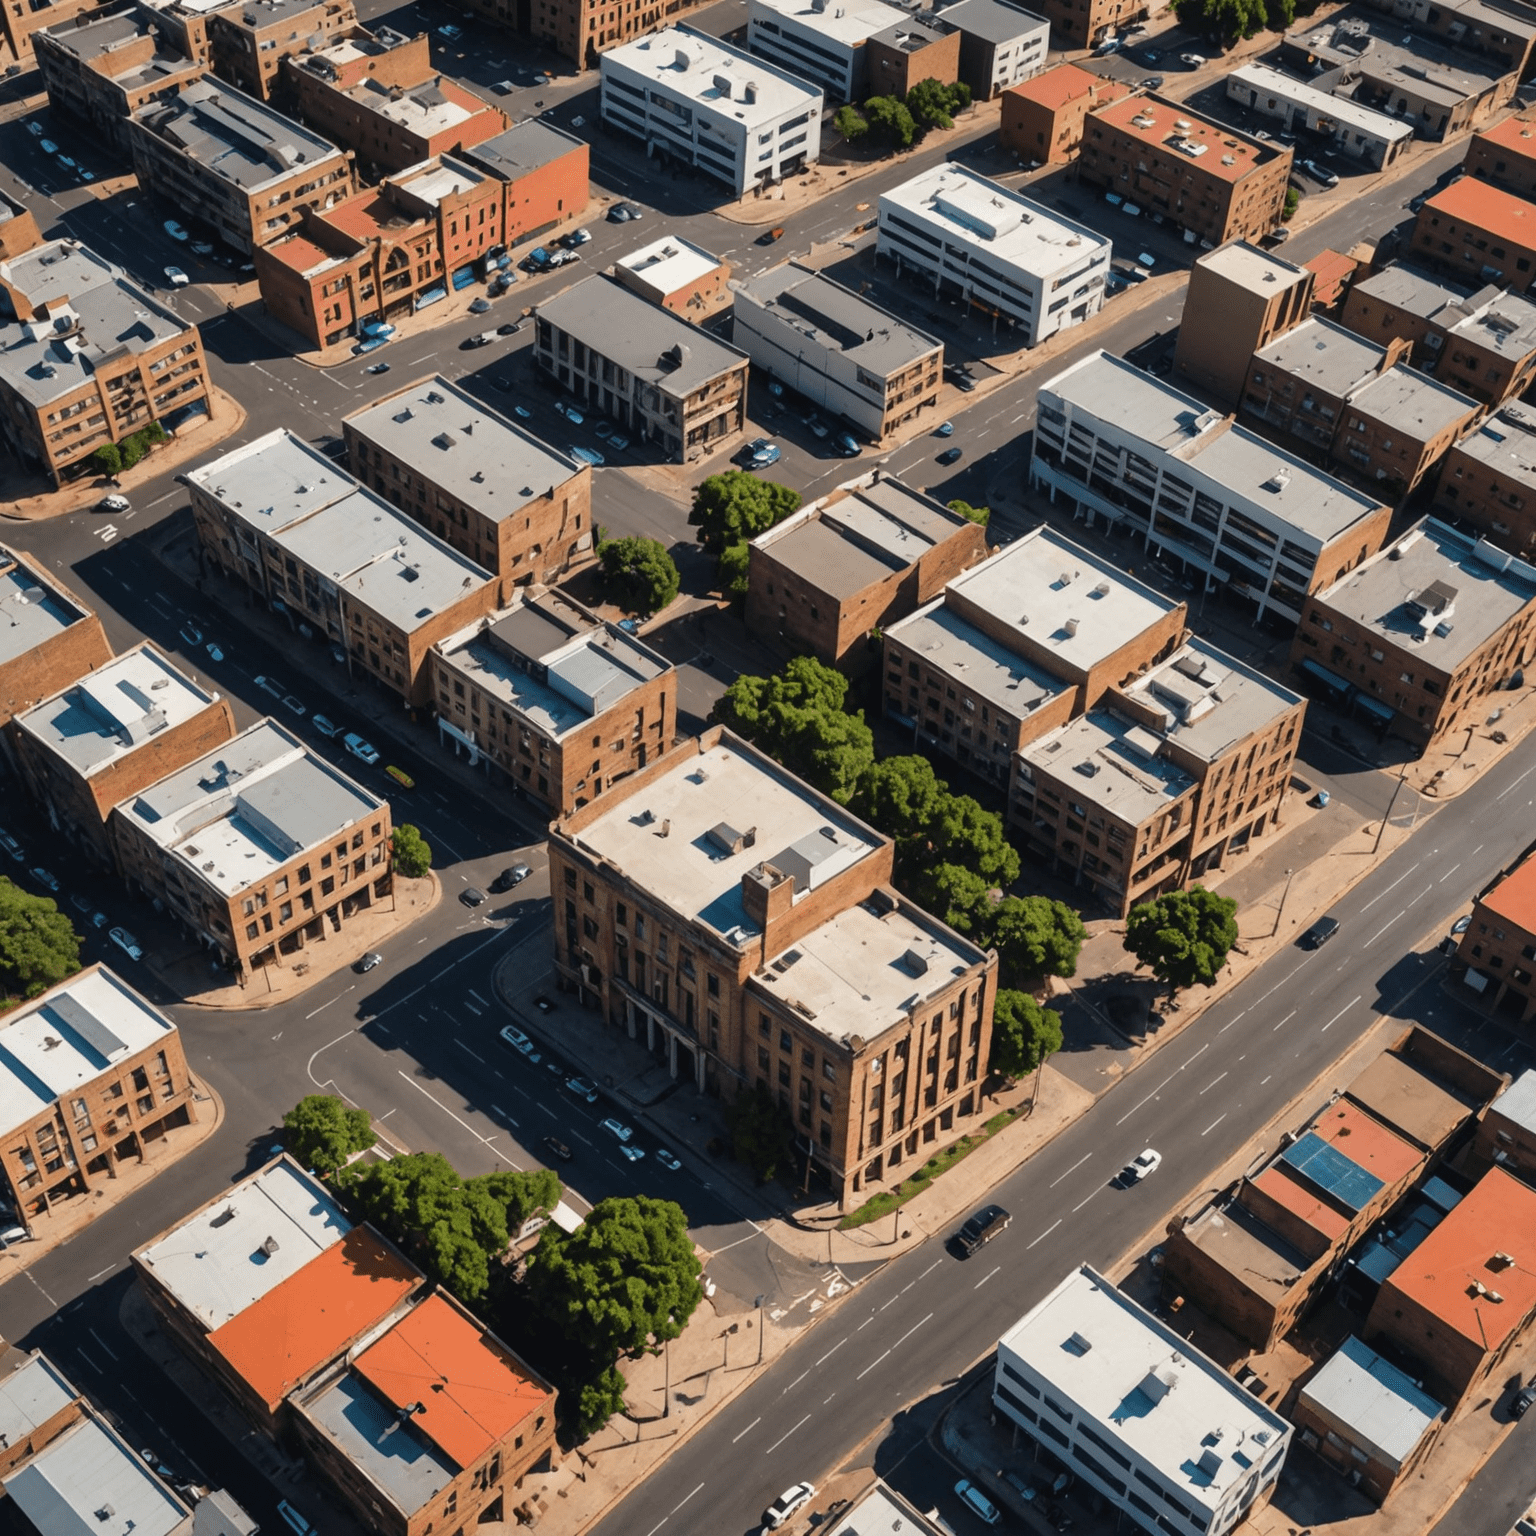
[[638, 574], [964, 832], [982, 515], [1183, 937], [734, 505], [762, 1134], [1024, 1034], [889, 122], [1035, 936], [850, 123], [412, 852], [39, 947], [735, 561], [901, 796], [323, 1132], [933, 105]]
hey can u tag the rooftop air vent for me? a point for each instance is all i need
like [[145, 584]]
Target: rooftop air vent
[[916, 964], [269, 1246], [1278, 481]]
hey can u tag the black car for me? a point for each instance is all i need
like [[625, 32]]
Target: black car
[[511, 328], [950, 456], [471, 896], [514, 874], [506, 386], [1521, 1401], [981, 1228], [367, 963], [557, 1148], [1319, 933]]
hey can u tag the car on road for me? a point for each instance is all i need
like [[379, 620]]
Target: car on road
[[582, 1089], [980, 1229], [472, 896], [88, 912], [577, 237], [667, 1160], [944, 429], [1319, 933], [367, 963], [483, 339], [511, 328], [771, 236], [516, 1038], [8, 844], [363, 751], [846, 446], [618, 1130], [623, 212], [977, 1502], [788, 1503], [1193, 60], [631, 1153], [570, 413], [214, 651], [326, 726], [202, 248], [176, 277], [1320, 173], [126, 942], [377, 368], [113, 503], [480, 306], [1520, 1403], [1152, 83], [1140, 1166], [191, 634], [174, 230], [950, 456], [513, 874], [45, 877], [294, 705], [35, 128], [270, 685], [557, 1148], [522, 413], [450, 33], [586, 455], [761, 452]]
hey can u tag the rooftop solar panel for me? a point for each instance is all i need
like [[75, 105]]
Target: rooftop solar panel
[[1331, 1171]]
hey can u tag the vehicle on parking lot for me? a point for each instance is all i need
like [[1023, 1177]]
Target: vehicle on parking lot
[[1108, 46], [586, 455], [45, 877], [1520, 1403], [377, 368], [981, 1228], [1140, 1166], [582, 1089], [788, 1503], [761, 452], [618, 1130], [126, 942], [557, 1148], [513, 874], [176, 277], [667, 1160], [1320, 173], [472, 896], [1193, 60], [173, 229], [363, 751], [113, 503], [367, 963], [326, 726], [977, 1502], [950, 456], [9, 845], [1319, 933]]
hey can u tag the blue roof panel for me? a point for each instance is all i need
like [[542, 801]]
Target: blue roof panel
[[1329, 1169]]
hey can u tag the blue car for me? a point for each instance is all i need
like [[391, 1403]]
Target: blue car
[[588, 456]]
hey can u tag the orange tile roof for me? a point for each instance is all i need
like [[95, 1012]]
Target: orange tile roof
[[473, 1392], [1470, 201], [1220, 142], [1300, 1202], [315, 1314], [1514, 897], [1331, 269], [1516, 134], [297, 252], [1056, 87], [1441, 1274], [368, 216], [1366, 1142]]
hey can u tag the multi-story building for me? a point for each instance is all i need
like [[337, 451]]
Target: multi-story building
[[967, 236], [1043, 116], [103, 66], [1505, 154], [259, 848], [1020, 644], [279, 516], [774, 957], [1081, 26], [88, 358], [48, 637], [1240, 299], [1233, 509], [918, 47], [827, 580], [462, 1450], [1506, 1135], [1333, 272], [183, 24], [383, 55], [821, 41], [1488, 483], [1146, 1420], [695, 100], [671, 385], [1498, 950], [1418, 636], [1482, 344], [836, 348], [248, 171], [1199, 749], [511, 502], [1000, 44], [1255, 1254], [562, 703], [94, 1076], [1398, 427], [676, 274], [109, 735], [248, 43], [18, 228], [543, 171], [1499, 33], [20, 23], [1466, 1296], [1374, 138], [1201, 176], [580, 30], [1478, 234]]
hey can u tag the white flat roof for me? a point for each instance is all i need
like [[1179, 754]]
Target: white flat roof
[[669, 263], [1260, 271], [433, 183], [954, 646], [1517, 1103], [218, 1261], [32, 608], [70, 1036], [706, 796], [850, 22], [1140, 1382], [985, 214], [1111, 763], [1505, 443], [31, 1395], [683, 63], [1364, 120]]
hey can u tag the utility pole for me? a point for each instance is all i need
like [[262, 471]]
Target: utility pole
[[1280, 910], [759, 1330], [1381, 830]]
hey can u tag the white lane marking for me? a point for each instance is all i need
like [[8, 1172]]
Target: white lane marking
[[1209, 1086], [99, 1273], [984, 1279], [1132, 1110], [1046, 1233], [930, 1269], [475, 1054], [832, 1351], [1214, 1123], [501, 1114], [1073, 1169], [100, 1341], [485, 1004], [1286, 1020], [485, 1141], [748, 1430], [1516, 785], [678, 1506], [785, 1436], [915, 1326], [1377, 897], [1340, 1014], [1384, 928], [327, 1003], [798, 1379], [1447, 875], [862, 1374], [1076, 1208]]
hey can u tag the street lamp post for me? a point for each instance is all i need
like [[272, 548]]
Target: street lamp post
[[759, 1330], [1280, 910]]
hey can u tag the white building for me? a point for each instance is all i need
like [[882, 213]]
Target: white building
[[820, 40], [1000, 44], [693, 98], [1358, 130], [1138, 1413], [1013, 259]]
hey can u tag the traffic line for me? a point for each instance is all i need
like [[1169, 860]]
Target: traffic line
[[1073, 1169], [1340, 1014], [984, 1279], [860, 1377], [785, 1436], [748, 1430], [1046, 1233], [1209, 1086], [1286, 1020], [913, 1329], [1214, 1123]]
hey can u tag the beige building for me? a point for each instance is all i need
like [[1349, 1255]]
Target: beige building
[[249, 42], [676, 274]]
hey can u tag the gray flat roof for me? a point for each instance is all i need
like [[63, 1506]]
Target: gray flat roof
[[1435, 592], [1505, 442], [1384, 1411], [1258, 270], [837, 318], [248, 807], [31, 1395], [638, 335], [1501, 322], [120, 707], [258, 17], [92, 36], [1113, 763], [912, 32], [730, 785], [273, 481], [1324, 355], [1517, 1103], [486, 461], [239, 139], [1419, 293], [994, 21], [1412, 402], [32, 609], [522, 148], [1383, 50], [953, 645], [1210, 700]]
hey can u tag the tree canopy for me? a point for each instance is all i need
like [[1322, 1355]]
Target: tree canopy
[[1023, 1034], [1183, 937], [413, 853], [734, 566], [850, 122], [933, 105], [1227, 20], [901, 796], [890, 123], [323, 1132], [734, 505], [1035, 936], [38, 945], [762, 1134], [638, 574], [982, 515]]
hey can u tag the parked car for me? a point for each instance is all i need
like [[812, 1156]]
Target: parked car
[[482, 339], [1108, 46], [770, 236], [619, 214], [176, 277], [631, 211], [978, 1503], [1461, 924], [450, 33], [1140, 1166], [1320, 173], [1152, 83], [171, 227], [9, 845], [618, 1130], [45, 877], [582, 1089], [577, 237], [363, 751], [326, 726], [113, 503], [126, 942], [586, 455], [514, 1037], [570, 413], [944, 429], [480, 306], [1520, 1403], [761, 452], [367, 963], [513, 874], [47, 146], [511, 328], [202, 248], [618, 442], [667, 1160], [472, 896], [88, 912], [294, 705], [1193, 60], [846, 446], [980, 1229], [788, 1503], [1319, 933], [35, 128]]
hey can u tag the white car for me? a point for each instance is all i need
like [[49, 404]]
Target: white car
[[1194, 60], [176, 277], [515, 1037], [617, 1129], [980, 1505], [47, 146], [364, 751], [113, 504], [126, 942], [787, 1504], [1140, 1166], [174, 230], [327, 728]]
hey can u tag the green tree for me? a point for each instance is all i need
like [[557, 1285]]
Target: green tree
[[413, 853], [1292, 203], [934, 105], [108, 459], [734, 505], [1183, 937], [762, 1134], [965, 833], [1023, 1034], [735, 562], [954, 894], [638, 574], [1035, 936], [982, 515], [890, 122], [597, 1399], [323, 1132], [1227, 20], [850, 123], [901, 796], [38, 945]]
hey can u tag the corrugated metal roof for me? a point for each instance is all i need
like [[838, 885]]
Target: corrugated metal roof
[[1381, 1408]]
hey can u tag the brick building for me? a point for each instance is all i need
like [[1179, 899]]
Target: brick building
[[1042, 118], [1488, 484], [674, 387], [1000, 44], [94, 1076], [387, 57], [249, 172], [1505, 155], [459, 1451], [1239, 300], [1399, 427], [564, 704], [20, 22], [1255, 1254], [18, 228], [278, 515], [88, 358], [1201, 176], [248, 43], [1416, 638], [1506, 1135], [1466, 1296], [48, 637], [826, 580], [103, 66], [1497, 953], [580, 30], [677, 275], [109, 735], [918, 47], [774, 957], [827, 45], [1478, 234], [183, 24], [1082, 23], [259, 849], [1021, 643], [482, 482], [544, 174]]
